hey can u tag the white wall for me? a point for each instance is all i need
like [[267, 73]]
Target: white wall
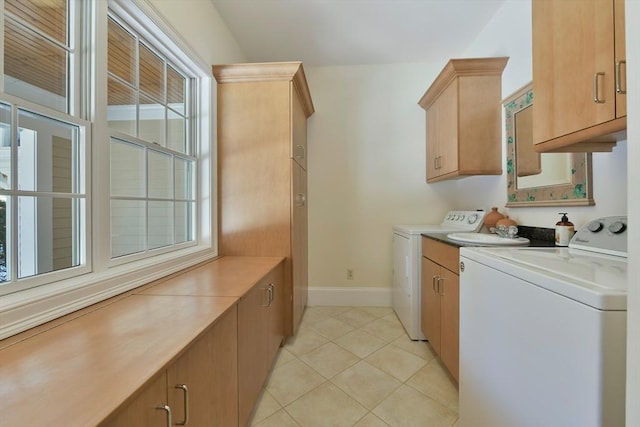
[[633, 302], [200, 25], [367, 142]]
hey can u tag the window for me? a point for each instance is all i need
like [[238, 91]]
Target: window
[[42, 194], [105, 161], [152, 146], [43, 148]]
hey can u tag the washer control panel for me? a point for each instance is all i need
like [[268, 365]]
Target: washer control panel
[[607, 235], [465, 220]]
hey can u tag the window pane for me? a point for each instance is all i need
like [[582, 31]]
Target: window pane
[[35, 69], [121, 53], [5, 239], [176, 132], [48, 155], [185, 220], [175, 90], [128, 228], [5, 146], [121, 109], [151, 74], [49, 235], [160, 224], [160, 175], [185, 179], [49, 16], [151, 121], [127, 169]]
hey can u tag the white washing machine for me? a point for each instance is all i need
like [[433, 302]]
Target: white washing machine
[[407, 254], [543, 332]]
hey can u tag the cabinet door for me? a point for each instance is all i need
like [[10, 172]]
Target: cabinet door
[[275, 314], [142, 409], [252, 349], [430, 303], [573, 52], [442, 133], [299, 250], [209, 371], [450, 318], [299, 131], [620, 58]]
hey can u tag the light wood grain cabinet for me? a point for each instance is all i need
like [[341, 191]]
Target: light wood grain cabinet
[[440, 301], [579, 74], [198, 389], [463, 119], [260, 334], [262, 160]]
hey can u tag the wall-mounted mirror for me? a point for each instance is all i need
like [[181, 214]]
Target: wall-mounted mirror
[[540, 179]]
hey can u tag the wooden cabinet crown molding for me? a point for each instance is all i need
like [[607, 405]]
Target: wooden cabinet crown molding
[[462, 67], [265, 71]]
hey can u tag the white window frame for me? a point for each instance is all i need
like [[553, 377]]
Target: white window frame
[[180, 63], [22, 310]]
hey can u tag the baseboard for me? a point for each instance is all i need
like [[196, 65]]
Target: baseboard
[[352, 297]]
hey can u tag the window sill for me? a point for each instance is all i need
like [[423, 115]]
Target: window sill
[[33, 307]]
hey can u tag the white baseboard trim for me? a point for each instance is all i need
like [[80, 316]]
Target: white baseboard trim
[[351, 296]]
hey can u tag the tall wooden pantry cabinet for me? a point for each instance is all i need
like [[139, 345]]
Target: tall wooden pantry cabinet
[[262, 178]]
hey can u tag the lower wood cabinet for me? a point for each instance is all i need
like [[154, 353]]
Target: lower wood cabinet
[[198, 389], [440, 301], [260, 334]]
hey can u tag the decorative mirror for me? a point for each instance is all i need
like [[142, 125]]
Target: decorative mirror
[[540, 179]]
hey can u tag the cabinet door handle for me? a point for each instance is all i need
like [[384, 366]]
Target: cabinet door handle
[[434, 283], [185, 403], [268, 295], [440, 289], [596, 89], [270, 290], [167, 410], [619, 77], [301, 199]]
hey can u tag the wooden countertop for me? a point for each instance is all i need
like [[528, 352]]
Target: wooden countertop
[[78, 372], [225, 277]]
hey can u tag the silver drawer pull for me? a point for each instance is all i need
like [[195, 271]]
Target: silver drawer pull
[[301, 199], [619, 77], [185, 390], [167, 410], [596, 89]]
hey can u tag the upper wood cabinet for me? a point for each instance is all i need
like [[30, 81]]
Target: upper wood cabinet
[[262, 159], [463, 107], [579, 75]]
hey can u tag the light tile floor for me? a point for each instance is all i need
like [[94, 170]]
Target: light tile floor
[[356, 366]]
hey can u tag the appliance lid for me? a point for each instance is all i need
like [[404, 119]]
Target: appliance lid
[[470, 221], [587, 277]]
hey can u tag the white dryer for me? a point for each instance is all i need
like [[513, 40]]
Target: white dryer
[[407, 252]]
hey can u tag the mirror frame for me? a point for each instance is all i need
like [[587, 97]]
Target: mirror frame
[[575, 193]]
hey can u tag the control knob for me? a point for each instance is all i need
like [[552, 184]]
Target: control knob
[[594, 226], [472, 218], [617, 227]]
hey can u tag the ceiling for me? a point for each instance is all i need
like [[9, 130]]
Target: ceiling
[[349, 32]]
